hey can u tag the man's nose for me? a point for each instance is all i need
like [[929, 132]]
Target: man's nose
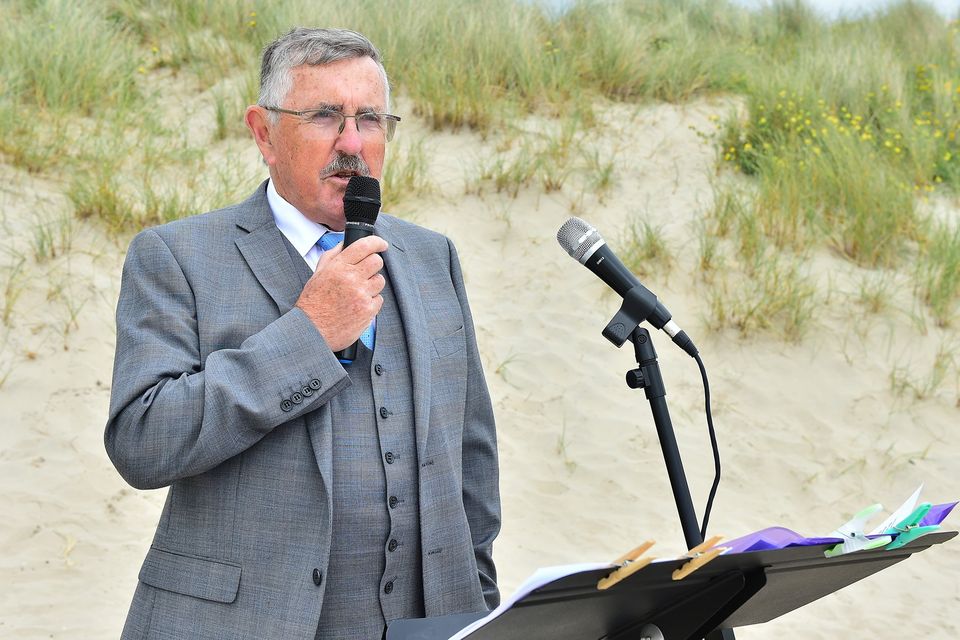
[[349, 141]]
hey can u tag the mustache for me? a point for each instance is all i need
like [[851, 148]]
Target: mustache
[[344, 162]]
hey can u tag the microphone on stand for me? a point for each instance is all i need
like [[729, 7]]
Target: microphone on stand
[[361, 205], [585, 245]]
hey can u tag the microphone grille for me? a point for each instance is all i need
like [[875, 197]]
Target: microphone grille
[[361, 201], [576, 237]]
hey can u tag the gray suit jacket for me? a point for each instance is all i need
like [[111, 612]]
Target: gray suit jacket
[[219, 392]]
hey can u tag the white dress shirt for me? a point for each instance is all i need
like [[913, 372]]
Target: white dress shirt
[[302, 232]]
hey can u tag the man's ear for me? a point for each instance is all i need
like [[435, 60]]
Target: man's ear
[[256, 119]]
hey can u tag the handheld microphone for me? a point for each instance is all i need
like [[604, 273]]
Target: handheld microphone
[[361, 205], [585, 245]]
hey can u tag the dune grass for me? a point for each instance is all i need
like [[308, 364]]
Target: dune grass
[[848, 125]]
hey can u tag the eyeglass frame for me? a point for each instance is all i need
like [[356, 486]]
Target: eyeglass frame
[[387, 134]]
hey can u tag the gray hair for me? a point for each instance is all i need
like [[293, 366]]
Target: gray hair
[[313, 47]]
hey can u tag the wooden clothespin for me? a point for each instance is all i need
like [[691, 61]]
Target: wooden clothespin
[[699, 556], [629, 563]]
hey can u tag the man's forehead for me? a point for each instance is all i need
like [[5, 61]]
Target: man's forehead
[[356, 81]]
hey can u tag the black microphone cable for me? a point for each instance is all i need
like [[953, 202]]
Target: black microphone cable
[[713, 444]]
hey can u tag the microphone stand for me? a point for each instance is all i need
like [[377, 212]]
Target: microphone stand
[[648, 378], [638, 304]]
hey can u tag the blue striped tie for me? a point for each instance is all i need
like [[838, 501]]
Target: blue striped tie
[[328, 241]]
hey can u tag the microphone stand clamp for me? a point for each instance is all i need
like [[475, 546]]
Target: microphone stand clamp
[[638, 304]]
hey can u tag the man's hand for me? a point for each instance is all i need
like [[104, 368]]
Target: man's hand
[[343, 294]]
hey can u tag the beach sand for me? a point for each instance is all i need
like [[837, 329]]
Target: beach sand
[[810, 432]]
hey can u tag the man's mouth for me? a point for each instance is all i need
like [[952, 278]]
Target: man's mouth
[[343, 175]]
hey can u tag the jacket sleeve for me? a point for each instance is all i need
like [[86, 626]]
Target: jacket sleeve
[[173, 415], [481, 488]]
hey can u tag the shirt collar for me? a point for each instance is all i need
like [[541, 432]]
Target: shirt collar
[[302, 232]]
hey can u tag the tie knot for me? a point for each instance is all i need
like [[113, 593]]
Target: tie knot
[[330, 239]]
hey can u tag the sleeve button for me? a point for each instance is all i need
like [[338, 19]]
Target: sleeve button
[[315, 384], [307, 392], [297, 397], [286, 405]]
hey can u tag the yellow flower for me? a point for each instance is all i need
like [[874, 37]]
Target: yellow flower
[[252, 23], [747, 146], [141, 70]]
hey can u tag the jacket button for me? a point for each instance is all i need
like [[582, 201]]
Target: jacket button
[[383, 412], [378, 369], [393, 546], [297, 397], [388, 588], [389, 457], [393, 502], [286, 405], [317, 577], [307, 392], [315, 384]]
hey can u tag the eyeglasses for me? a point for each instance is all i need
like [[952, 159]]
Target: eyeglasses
[[330, 122]]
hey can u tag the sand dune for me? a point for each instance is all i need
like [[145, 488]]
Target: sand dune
[[810, 432]]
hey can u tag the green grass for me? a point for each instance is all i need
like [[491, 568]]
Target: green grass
[[406, 173], [938, 274], [66, 56], [644, 249], [13, 286], [847, 126], [773, 294]]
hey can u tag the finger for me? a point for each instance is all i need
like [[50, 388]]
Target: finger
[[370, 266], [329, 255], [363, 248], [375, 285]]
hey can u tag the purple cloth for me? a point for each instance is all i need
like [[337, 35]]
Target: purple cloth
[[781, 538], [774, 538], [937, 514]]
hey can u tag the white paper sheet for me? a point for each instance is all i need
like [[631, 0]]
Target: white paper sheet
[[539, 578]]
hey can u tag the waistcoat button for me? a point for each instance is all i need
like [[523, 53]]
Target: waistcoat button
[[378, 369], [388, 588], [389, 457], [317, 577], [393, 502], [393, 546], [383, 412]]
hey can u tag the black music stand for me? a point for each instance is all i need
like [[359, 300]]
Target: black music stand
[[731, 591]]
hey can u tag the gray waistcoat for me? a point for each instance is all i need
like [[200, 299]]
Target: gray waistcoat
[[374, 573]]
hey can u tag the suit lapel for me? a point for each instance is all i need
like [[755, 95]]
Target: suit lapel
[[397, 263], [266, 254]]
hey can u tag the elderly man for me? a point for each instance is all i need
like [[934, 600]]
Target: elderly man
[[308, 498]]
